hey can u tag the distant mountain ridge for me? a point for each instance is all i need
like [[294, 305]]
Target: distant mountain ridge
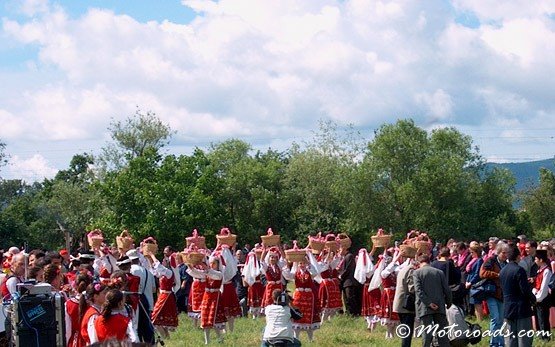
[[526, 173]]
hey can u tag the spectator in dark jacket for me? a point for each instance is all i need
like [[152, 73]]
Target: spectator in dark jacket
[[517, 300], [452, 273], [350, 287], [182, 294]]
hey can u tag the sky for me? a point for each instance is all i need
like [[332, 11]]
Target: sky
[[268, 71]]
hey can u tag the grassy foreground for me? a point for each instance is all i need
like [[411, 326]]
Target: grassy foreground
[[340, 331]]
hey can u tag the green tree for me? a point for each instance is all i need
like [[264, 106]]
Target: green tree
[[318, 180], [3, 155], [435, 182], [131, 138], [539, 203]]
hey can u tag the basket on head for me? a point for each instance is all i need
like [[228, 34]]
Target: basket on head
[[95, 238], [150, 246], [124, 241], [270, 239], [407, 251], [381, 239], [344, 240], [295, 254], [333, 246], [422, 246], [192, 257], [196, 239], [226, 237], [316, 243]]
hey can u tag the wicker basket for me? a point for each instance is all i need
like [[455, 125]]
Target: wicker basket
[[150, 246], [422, 246], [124, 241], [333, 246], [344, 240], [381, 240], [225, 237], [229, 239], [316, 244], [192, 258], [95, 239], [198, 241], [270, 240], [408, 251], [294, 255]]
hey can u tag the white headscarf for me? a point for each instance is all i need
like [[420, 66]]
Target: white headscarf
[[252, 268], [376, 280], [364, 266]]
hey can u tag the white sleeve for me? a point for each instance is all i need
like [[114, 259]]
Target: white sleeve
[[264, 266], [196, 273], [544, 288], [388, 270], [160, 270], [287, 274], [335, 262], [213, 274], [11, 284], [131, 334], [91, 329], [68, 324]]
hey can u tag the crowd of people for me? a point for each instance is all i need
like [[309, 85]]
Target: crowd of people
[[131, 295]]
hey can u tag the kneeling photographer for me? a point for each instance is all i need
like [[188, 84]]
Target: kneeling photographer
[[278, 330]]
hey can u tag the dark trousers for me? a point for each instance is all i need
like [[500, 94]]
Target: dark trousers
[[351, 298], [441, 321], [408, 320], [144, 326], [542, 311]]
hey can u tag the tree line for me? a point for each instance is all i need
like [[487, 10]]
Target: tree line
[[403, 178]]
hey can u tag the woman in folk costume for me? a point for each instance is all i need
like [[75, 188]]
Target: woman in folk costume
[[252, 278], [164, 314], [329, 293], [90, 306], [389, 281], [196, 293], [271, 267], [230, 301], [113, 322], [212, 314], [72, 318], [305, 298], [364, 270]]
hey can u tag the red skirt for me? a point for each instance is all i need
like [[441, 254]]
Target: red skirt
[[307, 303], [165, 310], [329, 295], [211, 312], [267, 298], [371, 301], [255, 294], [387, 304], [195, 298], [230, 301]]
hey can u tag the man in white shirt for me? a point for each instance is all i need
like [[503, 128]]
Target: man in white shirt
[[278, 322], [147, 287]]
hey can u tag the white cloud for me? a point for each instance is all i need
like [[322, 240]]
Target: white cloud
[[273, 68], [439, 104], [32, 169]]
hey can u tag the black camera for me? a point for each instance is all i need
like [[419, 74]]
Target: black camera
[[284, 299]]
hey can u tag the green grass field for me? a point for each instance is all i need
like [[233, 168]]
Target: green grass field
[[340, 331]]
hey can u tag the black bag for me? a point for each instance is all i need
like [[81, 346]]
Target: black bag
[[295, 314], [475, 333], [409, 303], [482, 289]]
